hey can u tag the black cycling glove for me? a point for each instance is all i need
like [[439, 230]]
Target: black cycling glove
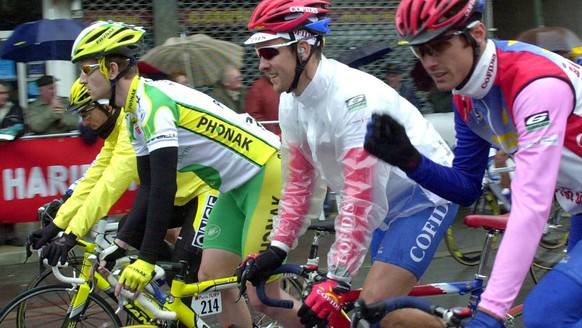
[[387, 140], [59, 249], [261, 265], [40, 237]]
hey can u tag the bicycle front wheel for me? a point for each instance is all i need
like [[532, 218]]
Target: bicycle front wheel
[[48, 306]]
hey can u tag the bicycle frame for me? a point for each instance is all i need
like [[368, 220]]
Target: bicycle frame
[[146, 308]]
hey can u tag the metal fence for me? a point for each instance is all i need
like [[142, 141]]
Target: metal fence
[[354, 24]]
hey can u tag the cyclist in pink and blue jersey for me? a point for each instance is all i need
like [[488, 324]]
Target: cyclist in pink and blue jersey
[[522, 99]]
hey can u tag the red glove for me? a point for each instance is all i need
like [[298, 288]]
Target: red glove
[[324, 301]]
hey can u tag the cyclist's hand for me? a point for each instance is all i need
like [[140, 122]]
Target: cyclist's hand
[[258, 267], [135, 276], [108, 256], [324, 301], [58, 249], [40, 237], [387, 140], [482, 320]]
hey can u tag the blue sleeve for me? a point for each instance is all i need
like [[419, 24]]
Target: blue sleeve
[[462, 182]]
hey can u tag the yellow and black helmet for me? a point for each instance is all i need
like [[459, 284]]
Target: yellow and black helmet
[[103, 38], [79, 97]]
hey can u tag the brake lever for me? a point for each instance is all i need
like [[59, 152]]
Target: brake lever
[[242, 283]]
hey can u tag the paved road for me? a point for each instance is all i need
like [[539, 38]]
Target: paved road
[[443, 268]]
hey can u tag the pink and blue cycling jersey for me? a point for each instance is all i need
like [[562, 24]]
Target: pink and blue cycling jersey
[[528, 102]]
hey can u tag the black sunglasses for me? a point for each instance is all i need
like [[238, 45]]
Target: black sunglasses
[[434, 47]]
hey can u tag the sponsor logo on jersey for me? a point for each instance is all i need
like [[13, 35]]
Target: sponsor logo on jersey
[[200, 223], [228, 134], [537, 121], [489, 74], [356, 102]]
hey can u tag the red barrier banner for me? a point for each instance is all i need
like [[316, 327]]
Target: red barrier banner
[[35, 170]]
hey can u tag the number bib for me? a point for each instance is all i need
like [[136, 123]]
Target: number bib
[[207, 304]]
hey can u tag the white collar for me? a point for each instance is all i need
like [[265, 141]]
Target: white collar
[[483, 76], [317, 86]]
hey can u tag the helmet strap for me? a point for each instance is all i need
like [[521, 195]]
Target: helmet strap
[[300, 64], [106, 128], [113, 83], [476, 50]]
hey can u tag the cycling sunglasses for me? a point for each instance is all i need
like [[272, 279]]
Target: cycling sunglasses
[[89, 69], [270, 52], [435, 47]]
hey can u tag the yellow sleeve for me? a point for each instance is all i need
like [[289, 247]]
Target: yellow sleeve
[[103, 184]]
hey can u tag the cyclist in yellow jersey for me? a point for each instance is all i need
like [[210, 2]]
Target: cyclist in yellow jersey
[[176, 128], [106, 180]]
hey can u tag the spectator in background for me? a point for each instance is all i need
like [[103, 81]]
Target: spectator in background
[[395, 77], [262, 103], [229, 90], [180, 78], [47, 115], [11, 127]]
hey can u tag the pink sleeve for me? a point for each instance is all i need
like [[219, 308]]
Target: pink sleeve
[[354, 224], [537, 163], [295, 201]]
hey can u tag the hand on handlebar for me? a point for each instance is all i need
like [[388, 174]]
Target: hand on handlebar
[[482, 320], [258, 267], [59, 249], [324, 301], [110, 255], [135, 277], [42, 236]]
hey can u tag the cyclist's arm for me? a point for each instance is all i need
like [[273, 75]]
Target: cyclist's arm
[[536, 169], [462, 182], [153, 202], [102, 185], [354, 224], [295, 199]]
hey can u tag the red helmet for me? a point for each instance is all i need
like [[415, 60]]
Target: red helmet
[[420, 21], [291, 15]]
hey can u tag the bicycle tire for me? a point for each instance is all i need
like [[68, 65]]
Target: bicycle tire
[[46, 277], [466, 249], [48, 305], [544, 260], [558, 229]]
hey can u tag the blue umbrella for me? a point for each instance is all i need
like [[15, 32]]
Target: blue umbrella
[[46, 39]]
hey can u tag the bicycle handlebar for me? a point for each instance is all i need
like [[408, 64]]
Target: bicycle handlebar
[[61, 277], [373, 313], [293, 269], [145, 302]]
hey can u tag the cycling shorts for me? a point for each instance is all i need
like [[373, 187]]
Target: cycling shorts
[[412, 241], [242, 218]]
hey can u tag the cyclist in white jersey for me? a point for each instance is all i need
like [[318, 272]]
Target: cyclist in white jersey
[[323, 111], [173, 127]]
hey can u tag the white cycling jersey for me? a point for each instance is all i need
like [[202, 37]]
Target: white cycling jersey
[[325, 123], [223, 148]]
